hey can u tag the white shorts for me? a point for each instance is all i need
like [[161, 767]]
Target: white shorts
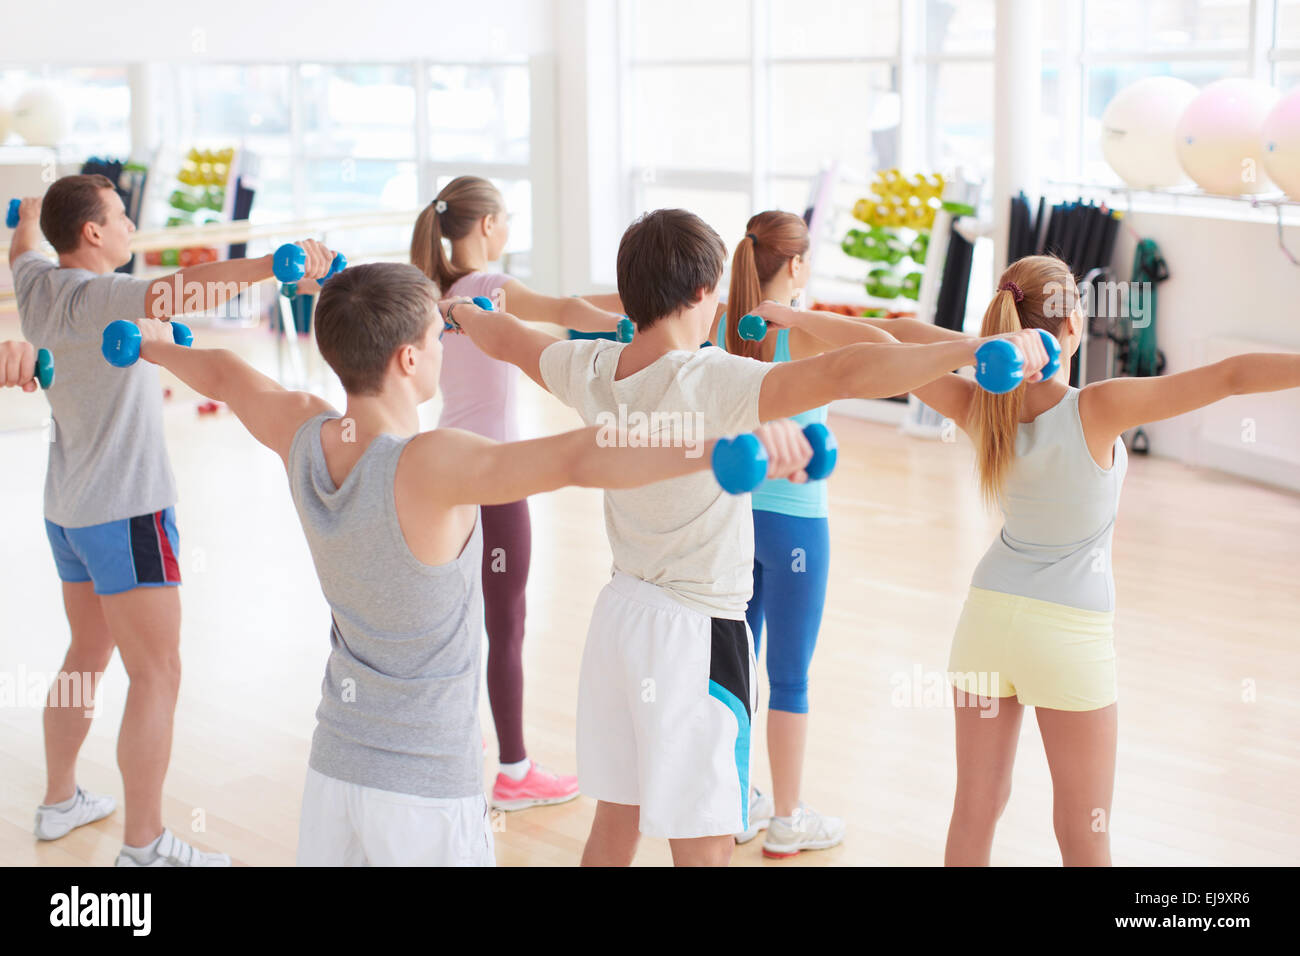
[[664, 707], [346, 824]]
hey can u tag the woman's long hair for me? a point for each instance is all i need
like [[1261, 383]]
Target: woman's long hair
[[1037, 292], [771, 240], [465, 201]]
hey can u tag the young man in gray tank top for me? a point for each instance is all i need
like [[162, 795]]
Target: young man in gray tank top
[[110, 496], [391, 516]]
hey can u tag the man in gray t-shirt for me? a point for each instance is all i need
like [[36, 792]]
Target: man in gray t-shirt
[[110, 495]]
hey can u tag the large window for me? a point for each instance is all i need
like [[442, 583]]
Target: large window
[[742, 110], [95, 103], [480, 124], [322, 139]]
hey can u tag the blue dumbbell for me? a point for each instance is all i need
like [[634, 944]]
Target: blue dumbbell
[[121, 345], [11, 218], [626, 330], [44, 368], [482, 301], [752, 328], [289, 264], [740, 463], [1000, 366]]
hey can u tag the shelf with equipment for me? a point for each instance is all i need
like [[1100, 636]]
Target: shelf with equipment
[[889, 235]]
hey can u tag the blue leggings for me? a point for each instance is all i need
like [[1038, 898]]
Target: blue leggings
[[791, 560]]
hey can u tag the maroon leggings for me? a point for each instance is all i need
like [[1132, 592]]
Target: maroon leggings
[[507, 549]]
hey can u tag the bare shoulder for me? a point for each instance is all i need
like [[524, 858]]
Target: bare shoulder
[[446, 447]]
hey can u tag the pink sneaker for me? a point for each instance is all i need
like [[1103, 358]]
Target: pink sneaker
[[540, 788]]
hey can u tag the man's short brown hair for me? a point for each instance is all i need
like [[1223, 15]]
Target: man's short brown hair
[[68, 205], [664, 259], [365, 314]]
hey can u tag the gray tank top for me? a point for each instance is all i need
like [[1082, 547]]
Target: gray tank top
[[399, 702], [1059, 510]]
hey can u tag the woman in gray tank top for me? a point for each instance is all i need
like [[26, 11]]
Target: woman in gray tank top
[[1038, 626]]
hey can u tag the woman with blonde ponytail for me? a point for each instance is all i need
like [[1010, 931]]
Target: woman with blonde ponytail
[[1038, 625], [456, 237]]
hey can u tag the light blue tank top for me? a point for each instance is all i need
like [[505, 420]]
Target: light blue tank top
[[777, 495], [1059, 508]]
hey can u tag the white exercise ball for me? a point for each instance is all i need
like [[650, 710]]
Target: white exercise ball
[[1137, 131], [1281, 144], [1219, 137], [39, 117]]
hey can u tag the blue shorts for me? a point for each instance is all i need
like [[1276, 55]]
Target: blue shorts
[[120, 555]]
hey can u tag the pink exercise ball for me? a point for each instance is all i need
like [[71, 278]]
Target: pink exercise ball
[[1219, 137], [1281, 144]]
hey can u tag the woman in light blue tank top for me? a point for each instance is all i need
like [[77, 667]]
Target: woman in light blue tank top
[[791, 545], [1038, 625]]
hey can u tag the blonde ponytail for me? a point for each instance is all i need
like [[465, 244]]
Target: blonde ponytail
[[458, 207], [1037, 292]]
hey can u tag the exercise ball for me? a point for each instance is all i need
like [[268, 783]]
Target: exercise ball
[[1219, 137], [39, 118], [1281, 144], [1137, 131]]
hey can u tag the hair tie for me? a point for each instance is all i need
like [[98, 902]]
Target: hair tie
[[752, 238], [440, 206], [1014, 289]]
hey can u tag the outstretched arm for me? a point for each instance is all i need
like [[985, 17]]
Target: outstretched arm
[[812, 333], [877, 371], [839, 330], [1113, 406], [464, 468], [949, 395], [608, 301], [501, 336], [569, 312], [206, 286], [271, 413], [27, 235]]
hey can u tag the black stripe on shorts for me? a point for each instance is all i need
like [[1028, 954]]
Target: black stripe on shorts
[[729, 659], [145, 552]]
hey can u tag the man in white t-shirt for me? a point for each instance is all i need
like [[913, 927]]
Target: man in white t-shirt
[[110, 497], [667, 686]]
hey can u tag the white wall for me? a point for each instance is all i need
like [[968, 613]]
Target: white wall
[[1228, 281], [89, 32]]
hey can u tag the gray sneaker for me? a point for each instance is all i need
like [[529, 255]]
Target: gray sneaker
[[52, 823], [806, 830], [761, 809]]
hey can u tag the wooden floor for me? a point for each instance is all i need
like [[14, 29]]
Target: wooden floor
[[1209, 667]]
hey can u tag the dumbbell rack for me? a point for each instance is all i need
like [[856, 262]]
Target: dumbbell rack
[[829, 281]]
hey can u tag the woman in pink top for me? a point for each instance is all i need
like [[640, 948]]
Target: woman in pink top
[[479, 396]]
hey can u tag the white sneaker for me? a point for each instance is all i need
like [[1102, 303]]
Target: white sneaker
[[173, 851], [761, 809], [52, 823], [806, 829]]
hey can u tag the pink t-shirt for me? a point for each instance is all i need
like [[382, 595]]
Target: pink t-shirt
[[478, 392]]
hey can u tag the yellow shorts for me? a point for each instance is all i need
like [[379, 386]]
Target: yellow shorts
[[1043, 654]]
